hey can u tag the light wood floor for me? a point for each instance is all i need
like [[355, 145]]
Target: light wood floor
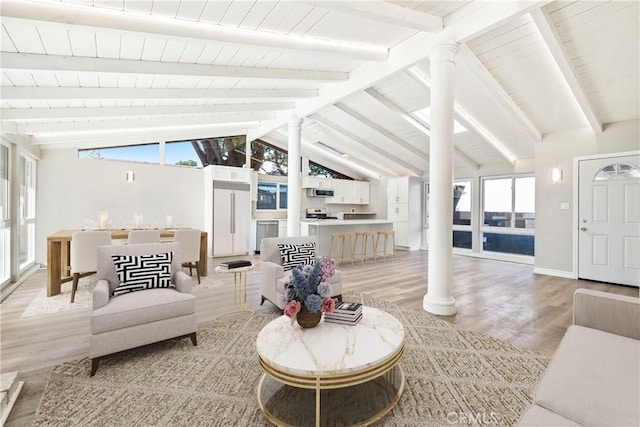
[[504, 300]]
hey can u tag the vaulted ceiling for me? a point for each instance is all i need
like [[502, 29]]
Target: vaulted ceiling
[[90, 73]]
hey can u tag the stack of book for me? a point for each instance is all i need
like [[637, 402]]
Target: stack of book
[[230, 265], [348, 313]]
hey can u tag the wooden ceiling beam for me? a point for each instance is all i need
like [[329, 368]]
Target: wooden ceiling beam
[[118, 22], [365, 144], [468, 121], [57, 93], [24, 114], [26, 61], [381, 130], [386, 13], [554, 42], [415, 123], [141, 124], [488, 81]]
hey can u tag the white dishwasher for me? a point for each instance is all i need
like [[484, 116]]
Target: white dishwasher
[[265, 228]]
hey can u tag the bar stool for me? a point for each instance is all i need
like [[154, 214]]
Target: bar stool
[[365, 237], [341, 238], [386, 234]]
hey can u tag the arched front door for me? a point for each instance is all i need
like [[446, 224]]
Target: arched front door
[[609, 220]]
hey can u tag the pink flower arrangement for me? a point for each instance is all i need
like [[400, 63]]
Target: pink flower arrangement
[[309, 288]]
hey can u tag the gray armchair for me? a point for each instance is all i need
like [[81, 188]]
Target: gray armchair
[[143, 317], [274, 276]]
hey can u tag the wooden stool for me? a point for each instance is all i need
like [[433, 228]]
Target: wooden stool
[[386, 234], [342, 239], [365, 237]]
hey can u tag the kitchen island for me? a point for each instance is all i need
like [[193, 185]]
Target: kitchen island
[[323, 228]]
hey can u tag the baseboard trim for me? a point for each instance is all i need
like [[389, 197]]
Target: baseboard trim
[[557, 273]]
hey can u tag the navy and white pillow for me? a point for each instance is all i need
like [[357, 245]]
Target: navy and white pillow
[[293, 255], [140, 272]]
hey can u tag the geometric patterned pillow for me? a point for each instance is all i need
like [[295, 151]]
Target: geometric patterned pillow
[[293, 255], [140, 272]]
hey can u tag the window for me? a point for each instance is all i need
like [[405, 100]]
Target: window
[[509, 215], [5, 218], [271, 196], [462, 233], [318, 170], [144, 153], [181, 153], [617, 171], [27, 217]]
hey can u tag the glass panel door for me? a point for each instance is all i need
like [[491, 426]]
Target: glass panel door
[[5, 219], [27, 210]]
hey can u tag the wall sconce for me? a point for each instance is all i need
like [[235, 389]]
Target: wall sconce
[[131, 176], [556, 175]]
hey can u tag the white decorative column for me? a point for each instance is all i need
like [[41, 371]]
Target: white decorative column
[[294, 180], [439, 298]]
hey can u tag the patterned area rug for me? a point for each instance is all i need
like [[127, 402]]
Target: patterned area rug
[[453, 377], [42, 304]]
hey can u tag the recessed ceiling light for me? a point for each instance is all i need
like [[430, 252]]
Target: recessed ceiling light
[[331, 150]]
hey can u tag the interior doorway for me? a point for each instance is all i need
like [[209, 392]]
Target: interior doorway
[[609, 219]]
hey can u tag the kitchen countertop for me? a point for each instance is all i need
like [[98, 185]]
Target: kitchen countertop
[[333, 222]]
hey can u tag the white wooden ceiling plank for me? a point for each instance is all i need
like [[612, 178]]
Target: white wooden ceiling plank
[[256, 14], [191, 10], [25, 38], [225, 55], [602, 15], [309, 20], [142, 6], [45, 79], [109, 4], [214, 11], [6, 44], [83, 43], [378, 12], [56, 103], [571, 9], [209, 54], [55, 40], [19, 79], [524, 48], [108, 45], [131, 47], [205, 83], [192, 52], [87, 79], [607, 23], [620, 42], [65, 79], [153, 48], [236, 12], [239, 58], [295, 13], [126, 80], [160, 82], [167, 8], [505, 39], [107, 80], [552, 38], [5, 80], [173, 51]]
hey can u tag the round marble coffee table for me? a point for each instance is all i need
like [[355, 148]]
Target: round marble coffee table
[[353, 370]]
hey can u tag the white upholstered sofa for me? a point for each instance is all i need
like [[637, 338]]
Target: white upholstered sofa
[[274, 276], [143, 317], [593, 378]]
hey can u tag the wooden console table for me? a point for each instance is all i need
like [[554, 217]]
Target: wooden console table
[[59, 249]]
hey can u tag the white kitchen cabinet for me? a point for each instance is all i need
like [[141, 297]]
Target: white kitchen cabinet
[[404, 207], [317, 182], [346, 191], [361, 192], [228, 173], [282, 228]]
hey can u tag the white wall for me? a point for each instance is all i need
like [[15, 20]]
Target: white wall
[[70, 190], [554, 227]]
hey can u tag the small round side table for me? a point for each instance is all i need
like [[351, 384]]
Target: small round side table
[[239, 291]]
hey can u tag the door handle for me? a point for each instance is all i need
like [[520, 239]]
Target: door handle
[[583, 228]]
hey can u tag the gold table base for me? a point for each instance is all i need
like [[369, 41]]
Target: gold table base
[[239, 292], [386, 375]]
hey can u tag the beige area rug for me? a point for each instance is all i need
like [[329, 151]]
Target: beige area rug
[[453, 377], [60, 303]]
